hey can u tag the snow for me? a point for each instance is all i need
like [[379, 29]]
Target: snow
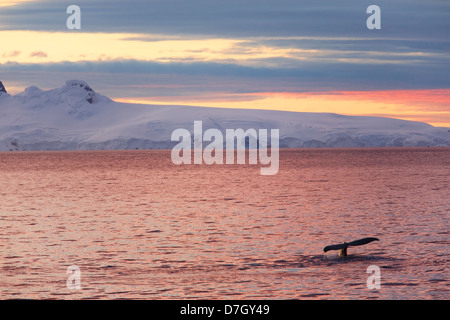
[[75, 117]]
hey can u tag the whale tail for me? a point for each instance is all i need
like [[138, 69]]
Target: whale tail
[[343, 246]]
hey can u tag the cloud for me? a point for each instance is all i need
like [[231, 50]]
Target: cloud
[[38, 54], [410, 19], [308, 76], [398, 46], [12, 54], [319, 42]]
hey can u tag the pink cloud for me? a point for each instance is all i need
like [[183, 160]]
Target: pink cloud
[[12, 54], [38, 54], [426, 99]]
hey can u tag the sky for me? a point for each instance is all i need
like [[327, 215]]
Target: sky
[[294, 55]]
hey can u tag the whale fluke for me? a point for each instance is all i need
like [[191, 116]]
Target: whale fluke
[[343, 246]]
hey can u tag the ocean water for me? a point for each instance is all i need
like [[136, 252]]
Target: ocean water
[[139, 227]]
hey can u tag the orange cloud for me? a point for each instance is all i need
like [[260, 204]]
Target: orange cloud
[[6, 3]]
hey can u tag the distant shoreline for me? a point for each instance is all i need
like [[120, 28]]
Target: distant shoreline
[[281, 149]]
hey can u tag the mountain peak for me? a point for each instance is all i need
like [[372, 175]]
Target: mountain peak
[[73, 94], [79, 88], [78, 84], [2, 89]]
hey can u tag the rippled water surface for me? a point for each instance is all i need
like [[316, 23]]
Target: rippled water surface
[[140, 227]]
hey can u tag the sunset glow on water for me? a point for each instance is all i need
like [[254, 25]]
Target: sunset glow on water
[[140, 227]]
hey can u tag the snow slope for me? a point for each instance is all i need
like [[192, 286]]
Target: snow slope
[[76, 117]]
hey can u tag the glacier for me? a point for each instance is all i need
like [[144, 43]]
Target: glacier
[[75, 117]]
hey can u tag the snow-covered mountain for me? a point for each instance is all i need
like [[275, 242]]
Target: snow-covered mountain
[[76, 117]]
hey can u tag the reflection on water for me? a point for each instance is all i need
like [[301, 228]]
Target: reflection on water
[[140, 227]]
